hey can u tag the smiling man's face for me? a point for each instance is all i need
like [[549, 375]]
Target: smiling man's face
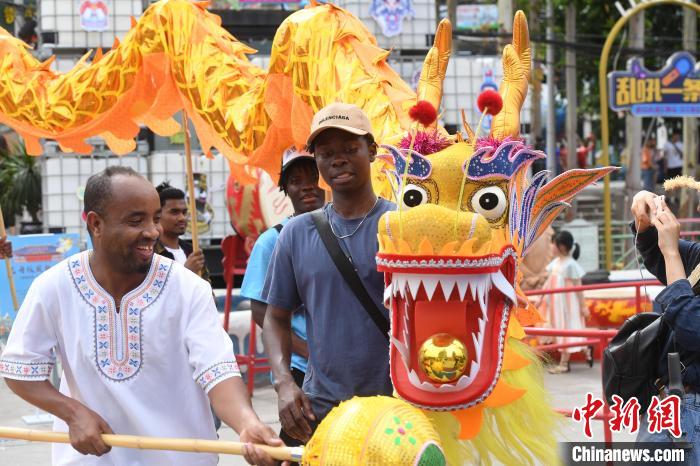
[[127, 229]]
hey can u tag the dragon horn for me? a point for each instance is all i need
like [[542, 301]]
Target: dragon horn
[[435, 66], [517, 62]]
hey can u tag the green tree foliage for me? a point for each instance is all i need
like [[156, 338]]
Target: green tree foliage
[[20, 183], [595, 19]]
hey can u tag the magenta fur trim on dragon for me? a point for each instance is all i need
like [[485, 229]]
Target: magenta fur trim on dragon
[[426, 143], [490, 141]]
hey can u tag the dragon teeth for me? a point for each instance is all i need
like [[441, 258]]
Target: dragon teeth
[[478, 285], [462, 286], [447, 284], [429, 284], [482, 324], [474, 370], [388, 293], [413, 285], [504, 286]]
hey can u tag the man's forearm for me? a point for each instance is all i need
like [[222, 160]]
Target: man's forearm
[[299, 346], [277, 335], [44, 396], [231, 403], [674, 267], [258, 309]]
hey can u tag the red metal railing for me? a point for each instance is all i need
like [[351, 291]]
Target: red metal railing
[[599, 339], [638, 285], [689, 233], [234, 263]]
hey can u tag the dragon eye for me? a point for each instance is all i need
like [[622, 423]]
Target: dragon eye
[[490, 202], [414, 196]]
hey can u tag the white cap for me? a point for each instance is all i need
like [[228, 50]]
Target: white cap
[[291, 155]]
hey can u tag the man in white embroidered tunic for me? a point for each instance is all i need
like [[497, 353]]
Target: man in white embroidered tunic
[[138, 337]]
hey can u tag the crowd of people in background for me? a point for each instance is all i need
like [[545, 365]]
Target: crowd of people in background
[[658, 162]]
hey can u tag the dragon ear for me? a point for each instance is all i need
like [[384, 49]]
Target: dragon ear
[[554, 196]]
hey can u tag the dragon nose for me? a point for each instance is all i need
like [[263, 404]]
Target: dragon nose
[[439, 225]]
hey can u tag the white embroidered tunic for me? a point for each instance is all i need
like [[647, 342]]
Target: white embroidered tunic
[[145, 369]]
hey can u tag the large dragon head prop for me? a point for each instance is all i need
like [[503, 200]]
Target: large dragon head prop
[[467, 214]]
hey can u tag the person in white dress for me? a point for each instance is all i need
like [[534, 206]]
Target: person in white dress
[[566, 310], [138, 338]]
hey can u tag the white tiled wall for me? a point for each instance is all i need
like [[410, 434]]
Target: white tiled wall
[[63, 16], [415, 31], [63, 174]]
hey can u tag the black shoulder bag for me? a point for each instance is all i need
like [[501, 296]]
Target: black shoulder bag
[[631, 360], [348, 271]]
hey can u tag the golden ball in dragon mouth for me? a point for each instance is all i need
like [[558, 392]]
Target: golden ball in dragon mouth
[[443, 358]]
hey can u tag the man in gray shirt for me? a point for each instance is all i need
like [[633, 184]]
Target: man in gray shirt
[[348, 354]]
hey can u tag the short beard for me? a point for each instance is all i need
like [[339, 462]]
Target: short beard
[[144, 268], [132, 266]]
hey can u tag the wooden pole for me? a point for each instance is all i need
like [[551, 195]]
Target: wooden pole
[[8, 265], [551, 140], [156, 443], [572, 100], [190, 184], [690, 124], [633, 131]]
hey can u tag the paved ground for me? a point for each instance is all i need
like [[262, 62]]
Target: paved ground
[[568, 391]]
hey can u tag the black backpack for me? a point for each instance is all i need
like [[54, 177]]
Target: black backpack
[[632, 359]]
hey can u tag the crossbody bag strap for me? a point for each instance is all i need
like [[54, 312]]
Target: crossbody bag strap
[[678, 151], [349, 272]]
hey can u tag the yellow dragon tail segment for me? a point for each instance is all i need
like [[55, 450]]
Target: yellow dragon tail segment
[[143, 79], [178, 57]]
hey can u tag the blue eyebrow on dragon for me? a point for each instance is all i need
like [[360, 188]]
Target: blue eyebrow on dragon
[[500, 162], [419, 167]]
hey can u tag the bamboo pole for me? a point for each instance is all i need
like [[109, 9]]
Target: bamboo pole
[[8, 265], [157, 443], [190, 184]]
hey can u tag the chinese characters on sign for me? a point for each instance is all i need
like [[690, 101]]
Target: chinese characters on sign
[[662, 415], [672, 91]]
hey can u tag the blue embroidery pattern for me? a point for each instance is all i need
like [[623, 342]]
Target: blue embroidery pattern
[[118, 348], [25, 371], [220, 371]]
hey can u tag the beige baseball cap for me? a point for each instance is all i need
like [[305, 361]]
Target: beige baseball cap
[[347, 117]]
